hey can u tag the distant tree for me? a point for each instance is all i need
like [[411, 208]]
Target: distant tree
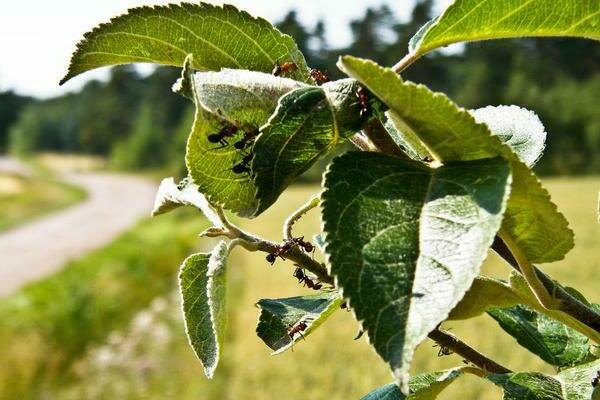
[[11, 105]]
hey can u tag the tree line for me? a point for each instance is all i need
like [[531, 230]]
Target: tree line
[[138, 123]]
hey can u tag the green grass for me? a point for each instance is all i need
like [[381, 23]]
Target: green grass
[[25, 198], [49, 325], [329, 364]]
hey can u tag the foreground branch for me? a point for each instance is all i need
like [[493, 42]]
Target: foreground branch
[[380, 137], [459, 347]]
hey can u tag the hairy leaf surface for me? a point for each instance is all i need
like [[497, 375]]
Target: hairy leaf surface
[[278, 316], [405, 242], [552, 341], [471, 20], [422, 387], [483, 295], [451, 134], [202, 285], [217, 36]]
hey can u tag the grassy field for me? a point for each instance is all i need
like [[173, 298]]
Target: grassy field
[[330, 364], [23, 198]]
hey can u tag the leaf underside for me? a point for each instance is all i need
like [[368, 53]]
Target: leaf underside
[[202, 285], [217, 36], [405, 242], [471, 20], [451, 134]]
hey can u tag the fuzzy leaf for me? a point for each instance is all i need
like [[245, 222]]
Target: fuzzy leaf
[[217, 36], [518, 127], [570, 384], [308, 123], [202, 285], [552, 341], [171, 196], [451, 134], [422, 387], [277, 316], [483, 295], [471, 20], [405, 242]]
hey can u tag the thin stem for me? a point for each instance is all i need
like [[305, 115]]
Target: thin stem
[[299, 213], [527, 269], [405, 62], [467, 352], [380, 137], [569, 304]]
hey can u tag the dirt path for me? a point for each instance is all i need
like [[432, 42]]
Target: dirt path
[[32, 251]]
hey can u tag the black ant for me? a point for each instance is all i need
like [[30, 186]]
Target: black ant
[[246, 141], [444, 351], [306, 246], [280, 251], [298, 328], [242, 167], [284, 68], [596, 380], [363, 101], [227, 131], [301, 276], [318, 76]]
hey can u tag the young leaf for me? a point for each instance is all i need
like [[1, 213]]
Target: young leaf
[[570, 384], [247, 97], [517, 127], [405, 242], [202, 285], [451, 134], [278, 316], [171, 196], [552, 341], [308, 123], [471, 20], [422, 387], [217, 36], [483, 295]]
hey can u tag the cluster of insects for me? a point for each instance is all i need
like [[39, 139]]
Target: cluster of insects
[[287, 246], [305, 279], [242, 144]]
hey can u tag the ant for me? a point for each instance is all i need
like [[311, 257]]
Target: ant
[[596, 380], [318, 76], [246, 141], [302, 277], [280, 251], [363, 101], [298, 328], [444, 351], [227, 131], [243, 167], [306, 246], [284, 68]]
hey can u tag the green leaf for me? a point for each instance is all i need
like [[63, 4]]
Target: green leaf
[[483, 295], [217, 36], [277, 316], [405, 242], [245, 97], [422, 387], [517, 127], [471, 20], [171, 196], [451, 134], [570, 384], [308, 123], [202, 285], [552, 341]]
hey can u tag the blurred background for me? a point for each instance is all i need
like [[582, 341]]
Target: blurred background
[[87, 283]]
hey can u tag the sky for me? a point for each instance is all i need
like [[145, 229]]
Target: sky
[[37, 37]]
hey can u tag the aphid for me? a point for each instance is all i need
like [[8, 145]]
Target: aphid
[[363, 101], [303, 278], [284, 68], [596, 380], [227, 131], [307, 246], [298, 328], [243, 166], [319, 76], [246, 140]]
